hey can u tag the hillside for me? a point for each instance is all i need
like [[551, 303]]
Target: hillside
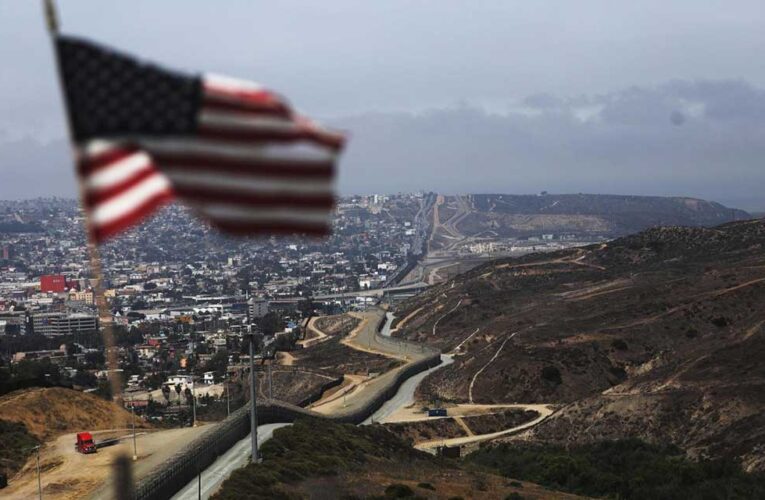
[[50, 412], [33, 416], [581, 214], [320, 459], [658, 335]]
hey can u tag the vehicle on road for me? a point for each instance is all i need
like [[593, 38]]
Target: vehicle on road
[[437, 412], [85, 443]]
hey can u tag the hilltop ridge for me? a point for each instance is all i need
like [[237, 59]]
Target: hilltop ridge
[[657, 335]]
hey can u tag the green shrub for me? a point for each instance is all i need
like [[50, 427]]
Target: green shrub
[[552, 375], [398, 490], [624, 469]]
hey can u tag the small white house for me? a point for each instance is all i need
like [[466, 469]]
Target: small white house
[[208, 378], [179, 379]]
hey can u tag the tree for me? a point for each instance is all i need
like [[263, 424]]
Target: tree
[[218, 364], [95, 359], [139, 304], [166, 393], [270, 324]]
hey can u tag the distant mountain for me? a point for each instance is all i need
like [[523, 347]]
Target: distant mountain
[[658, 335], [581, 214]]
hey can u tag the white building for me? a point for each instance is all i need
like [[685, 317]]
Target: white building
[[54, 324], [257, 308]]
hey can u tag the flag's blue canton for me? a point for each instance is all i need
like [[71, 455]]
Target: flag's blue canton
[[110, 94]]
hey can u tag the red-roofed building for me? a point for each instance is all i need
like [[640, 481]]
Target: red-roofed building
[[52, 283]]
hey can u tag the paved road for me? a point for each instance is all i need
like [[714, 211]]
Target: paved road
[[375, 292], [367, 339], [405, 395], [236, 457]]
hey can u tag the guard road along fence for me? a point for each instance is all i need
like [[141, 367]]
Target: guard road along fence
[[200, 453]]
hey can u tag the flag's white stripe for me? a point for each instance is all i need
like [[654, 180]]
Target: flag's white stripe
[[246, 183], [230, 84], [97, 147], [237, 121], [238, 213], [186, 146], [302, 151], [130, 200], [118, 172]]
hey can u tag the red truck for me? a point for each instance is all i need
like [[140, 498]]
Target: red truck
[[85, 443]]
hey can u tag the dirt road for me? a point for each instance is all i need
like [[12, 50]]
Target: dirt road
[[67, 474], [543, 410]]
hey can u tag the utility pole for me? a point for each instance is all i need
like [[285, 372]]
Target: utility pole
[[193, 384], [132, 411], [199, 484], [39, 481], [228, 396], [270, 383], [253, 401]]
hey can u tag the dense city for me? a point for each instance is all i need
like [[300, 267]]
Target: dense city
[[179, 296]]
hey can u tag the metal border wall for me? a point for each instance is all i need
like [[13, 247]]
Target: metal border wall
[[200, 453]]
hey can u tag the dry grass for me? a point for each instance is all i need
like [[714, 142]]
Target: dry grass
[[50, 412]]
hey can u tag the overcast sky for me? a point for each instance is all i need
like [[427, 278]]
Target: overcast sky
[[650, 97]]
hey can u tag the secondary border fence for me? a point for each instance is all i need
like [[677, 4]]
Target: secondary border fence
[[200, 453], [320, 392]]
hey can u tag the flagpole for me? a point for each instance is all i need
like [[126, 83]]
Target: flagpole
[[93, 253], [123, 472]]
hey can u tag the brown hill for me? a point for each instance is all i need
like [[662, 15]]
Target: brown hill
[[657, 335], [50, 412], [519, 215]]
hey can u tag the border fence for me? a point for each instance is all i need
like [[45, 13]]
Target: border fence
[[200, 453]]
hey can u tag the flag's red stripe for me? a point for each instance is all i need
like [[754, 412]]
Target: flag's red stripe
[[260, 228], [253, 136], [136, 215], [255, 107], [247, 94], [89, 164], [198, 194], [257, 168], [92, 198]]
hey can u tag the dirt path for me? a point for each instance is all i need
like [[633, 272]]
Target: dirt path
[[285, 358], [320, 335], [496, 355], [751, 331], [406, 319], [361, 339], [459, 346], [543, 410], [339, 400], [445, 315], [464, 426], [737, 287], [67, 474], [414, 412]]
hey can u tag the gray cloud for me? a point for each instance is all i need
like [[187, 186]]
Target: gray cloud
[[700, 133], [622, 142]]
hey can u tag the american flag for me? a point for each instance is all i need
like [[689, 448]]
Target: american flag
[[233, 151]]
